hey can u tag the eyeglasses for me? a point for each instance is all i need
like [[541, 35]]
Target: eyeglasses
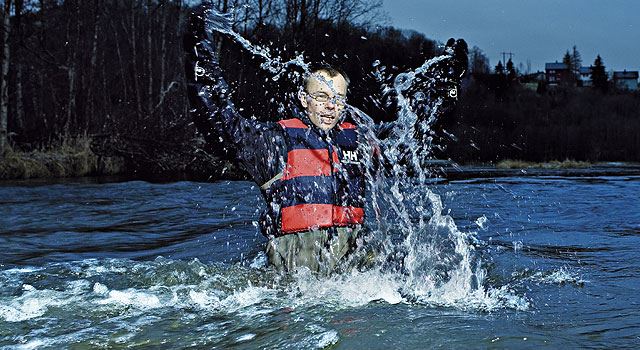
[[324, 98]]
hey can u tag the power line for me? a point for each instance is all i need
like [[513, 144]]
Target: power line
[[504, 56]]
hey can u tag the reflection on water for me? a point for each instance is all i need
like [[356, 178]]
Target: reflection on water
[[80, 266]]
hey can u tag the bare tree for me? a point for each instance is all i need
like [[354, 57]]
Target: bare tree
[[19, 116], [71, 65], [479, 63], [4, 80], [119, 52], [107, 65], [150, 56], [364, 13], [97, 10], [163, 50], [134, 57]]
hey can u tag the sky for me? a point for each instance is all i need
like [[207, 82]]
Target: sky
[[537, 31]]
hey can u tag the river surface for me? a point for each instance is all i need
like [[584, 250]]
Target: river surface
[[85, 264]]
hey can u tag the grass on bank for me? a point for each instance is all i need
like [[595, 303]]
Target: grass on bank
[[520, 164], [72, 158]]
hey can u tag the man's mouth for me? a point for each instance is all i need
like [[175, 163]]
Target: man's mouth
[[327, 119]]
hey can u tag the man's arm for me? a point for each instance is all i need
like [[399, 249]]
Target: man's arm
[[255, 146]]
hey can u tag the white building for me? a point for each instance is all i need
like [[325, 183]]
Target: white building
[[584, 77], [626, 80]]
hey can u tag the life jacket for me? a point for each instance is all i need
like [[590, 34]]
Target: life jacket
[[322, 184]]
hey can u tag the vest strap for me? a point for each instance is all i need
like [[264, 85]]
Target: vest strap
[[268, 184]]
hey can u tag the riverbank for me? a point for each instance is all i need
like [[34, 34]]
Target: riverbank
[[124, 158], [78, 160], [75, 159], [555, 164], [511, 168]]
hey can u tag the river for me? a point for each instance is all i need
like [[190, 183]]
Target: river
[[97, 264]]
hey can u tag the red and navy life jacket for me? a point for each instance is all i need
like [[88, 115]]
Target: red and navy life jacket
[[322, 184]]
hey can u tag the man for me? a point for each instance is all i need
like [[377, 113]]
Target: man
[[310, 167]]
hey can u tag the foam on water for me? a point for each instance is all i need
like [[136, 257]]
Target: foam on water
[[346, 290], [131, 297], [560, 276], [19, 270], [250, 296], [245, 337], [34, 344], [482, 222], [325, 339], [33, 303], [126, 302]]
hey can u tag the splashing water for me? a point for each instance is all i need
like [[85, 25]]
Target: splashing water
[[223, 24], [432, 261]]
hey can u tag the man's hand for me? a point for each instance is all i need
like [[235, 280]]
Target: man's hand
[[457, 65], [459, 51], [208, 92], [435, 88], [441, 80], [202, 67]]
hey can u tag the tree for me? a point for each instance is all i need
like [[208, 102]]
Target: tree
[[511, 71], [479, 63], [576, 61], [102, 67], [362, 13], [19, 115], [499, 68], [599, 75], [4, 79], [568, 61]]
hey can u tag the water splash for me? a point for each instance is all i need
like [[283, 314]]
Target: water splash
[[128, 301], [433, 261], [131, 303], [223, 23]]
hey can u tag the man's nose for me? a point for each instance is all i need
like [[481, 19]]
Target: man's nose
[[331, 103]]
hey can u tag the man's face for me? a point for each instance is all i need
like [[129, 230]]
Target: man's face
[[324, 99]]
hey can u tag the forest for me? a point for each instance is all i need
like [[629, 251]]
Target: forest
[[109, 75]]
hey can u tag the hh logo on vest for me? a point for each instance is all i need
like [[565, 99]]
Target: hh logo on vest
[[350, 157]]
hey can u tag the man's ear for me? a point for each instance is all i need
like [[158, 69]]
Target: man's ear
[[302, 96]]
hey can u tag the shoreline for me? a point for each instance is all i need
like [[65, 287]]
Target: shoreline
[[120, 158], [533, 169], [87, 167], [72, 162]]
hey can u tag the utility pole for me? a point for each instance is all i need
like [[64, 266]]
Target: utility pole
[[504, 56]]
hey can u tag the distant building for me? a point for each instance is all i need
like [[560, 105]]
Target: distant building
[[626, 80], [531, 81], [584, 78], [557, 73], [534, 77]]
